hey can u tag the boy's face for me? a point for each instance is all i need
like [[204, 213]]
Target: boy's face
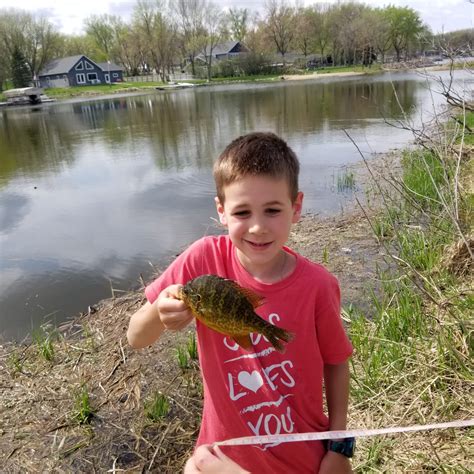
[[258, 212]]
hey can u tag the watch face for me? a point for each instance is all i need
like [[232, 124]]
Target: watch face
[[345, 447]]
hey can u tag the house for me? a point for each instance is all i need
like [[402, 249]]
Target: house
[[78, 71], [226, 50]]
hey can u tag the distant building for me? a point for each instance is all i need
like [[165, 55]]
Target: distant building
[[78, 71], [227, 50]]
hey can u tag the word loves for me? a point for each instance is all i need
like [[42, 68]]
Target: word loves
[[274, 375]]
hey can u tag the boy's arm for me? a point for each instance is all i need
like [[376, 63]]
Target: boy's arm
[[148, 323], [336, 381]]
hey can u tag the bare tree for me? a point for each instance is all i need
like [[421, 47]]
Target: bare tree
[[190, 16], [238, 23], [279, 19], [34, 36], [211, 34]]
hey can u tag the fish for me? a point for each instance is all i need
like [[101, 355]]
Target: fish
[[228, 308]]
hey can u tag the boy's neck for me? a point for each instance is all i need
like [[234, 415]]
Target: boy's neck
[[272, 272]]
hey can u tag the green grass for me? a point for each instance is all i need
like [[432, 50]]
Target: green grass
[[157, 407], [192, 347], [414, 357], [83, 411], [346, 181], [65, 92], [364, 69], [44, 342], [183, 358]]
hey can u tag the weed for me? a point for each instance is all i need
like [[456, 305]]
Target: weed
[[192, 347], [83, 411], [44, 341], [325, 255], [158, 407], [15, 363], [346, 181], [183, 358]]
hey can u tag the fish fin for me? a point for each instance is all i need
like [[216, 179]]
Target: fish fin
[[255, 299], [243, 341], [275, 335]]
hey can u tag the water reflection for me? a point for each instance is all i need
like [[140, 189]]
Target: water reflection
[[92, 191]]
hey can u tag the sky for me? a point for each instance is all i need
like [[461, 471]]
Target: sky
[[68, 15]]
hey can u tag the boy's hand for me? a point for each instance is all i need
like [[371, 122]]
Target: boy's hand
[[335, 463], [174, 313], [211, 460]]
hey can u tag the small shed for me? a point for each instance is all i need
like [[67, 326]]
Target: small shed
[[78, 71]]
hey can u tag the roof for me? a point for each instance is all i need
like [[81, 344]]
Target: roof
[[60, 65], [64, 65], [227, 47], [112, 67]]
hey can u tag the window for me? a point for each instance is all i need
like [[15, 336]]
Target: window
[[89, 66], [80, 78], [80, 66], [107, 78], [114, 74], [92, 76]]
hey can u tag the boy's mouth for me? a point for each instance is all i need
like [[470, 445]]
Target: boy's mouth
[[259, 245]]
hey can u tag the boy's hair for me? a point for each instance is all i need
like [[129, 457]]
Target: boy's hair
[[258, 153]]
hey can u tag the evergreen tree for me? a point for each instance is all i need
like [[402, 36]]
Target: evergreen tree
[[21, 74]]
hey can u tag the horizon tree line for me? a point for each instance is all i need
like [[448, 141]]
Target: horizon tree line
[[184, 33]]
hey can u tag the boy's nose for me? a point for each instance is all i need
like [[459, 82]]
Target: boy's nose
[[257, 227]]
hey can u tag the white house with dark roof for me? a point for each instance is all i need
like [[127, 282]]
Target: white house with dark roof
[[78, 71]]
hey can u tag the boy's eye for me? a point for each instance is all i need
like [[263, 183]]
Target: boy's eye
[[241, 213], [273, 211]]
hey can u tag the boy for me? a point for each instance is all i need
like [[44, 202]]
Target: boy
[[261, 391]]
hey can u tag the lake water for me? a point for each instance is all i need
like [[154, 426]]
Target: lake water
[[94, 193]]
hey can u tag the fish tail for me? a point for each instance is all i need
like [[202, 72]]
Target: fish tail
[[275, 335]]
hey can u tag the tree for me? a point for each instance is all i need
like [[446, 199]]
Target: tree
[[21, 73], [189, 17], [280, 23], [238, 23], [320, 22], [305, 20], [101, 31], [380, 29], [35, 37], [211, 34], [405, 26]]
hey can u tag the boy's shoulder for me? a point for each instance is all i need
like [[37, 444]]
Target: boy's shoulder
[[314, 269]]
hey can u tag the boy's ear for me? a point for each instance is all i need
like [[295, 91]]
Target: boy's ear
[[297, 207], [220, 211]]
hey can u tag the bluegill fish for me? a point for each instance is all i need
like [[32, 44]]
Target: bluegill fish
[[228, 308]]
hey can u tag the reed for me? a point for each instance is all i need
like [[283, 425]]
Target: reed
[[414, 357], [157, 407]]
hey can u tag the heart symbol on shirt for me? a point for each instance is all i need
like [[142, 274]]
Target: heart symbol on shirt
[[253, 381]]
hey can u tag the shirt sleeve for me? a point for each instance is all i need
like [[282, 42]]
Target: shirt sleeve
[[334, 344], [184, 268]]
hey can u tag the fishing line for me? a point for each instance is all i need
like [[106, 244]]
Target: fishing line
[[315, 436]]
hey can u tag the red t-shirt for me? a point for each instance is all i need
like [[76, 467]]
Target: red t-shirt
[[263, 391]]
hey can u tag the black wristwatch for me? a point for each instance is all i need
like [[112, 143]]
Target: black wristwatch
[[344, 446]]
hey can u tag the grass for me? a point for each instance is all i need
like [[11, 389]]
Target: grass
[[192, 347], [414, 357], [346, 181], [157, 407], [364, 69], [44, 342], [83, 411], [182, 357]]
